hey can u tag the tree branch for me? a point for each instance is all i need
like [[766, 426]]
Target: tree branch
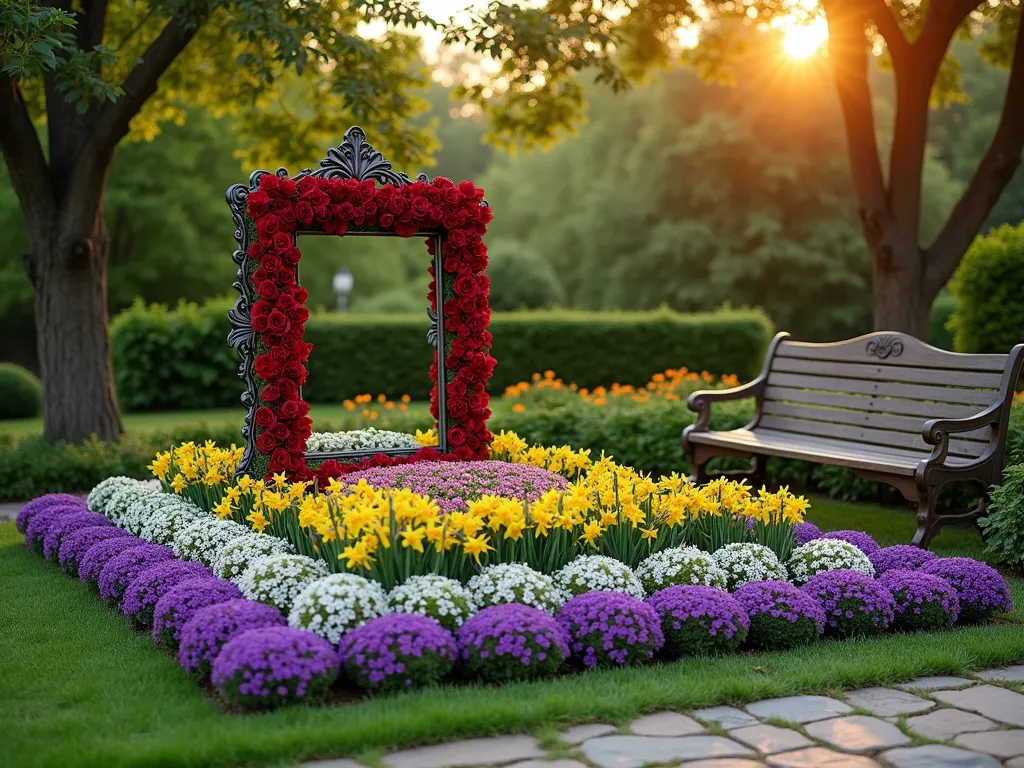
[[23, 153], [993, 173], [879, 12], [92, 21]]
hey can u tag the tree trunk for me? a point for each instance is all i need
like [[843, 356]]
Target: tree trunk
[[69, 272], [900, 302]]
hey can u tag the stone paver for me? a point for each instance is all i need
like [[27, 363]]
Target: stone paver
[[767, 739], [988, 700], [937, 756], [1017, 762], [998, 743], [725, 762], [10, 510], [819, 757], [341, 762], [665, 724], [945, 724], [500, 750], [799, 709], [885, 702], [857, 733], [935, 682], [727, 717], [580, 733], [563, 763], [1014, 674], [636, 751]]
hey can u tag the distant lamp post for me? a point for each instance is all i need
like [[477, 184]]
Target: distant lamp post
[[343, 283]]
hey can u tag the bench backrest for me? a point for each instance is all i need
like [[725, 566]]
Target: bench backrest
[[880, 389]]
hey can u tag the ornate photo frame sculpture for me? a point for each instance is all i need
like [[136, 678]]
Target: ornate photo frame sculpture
[[355, 191]]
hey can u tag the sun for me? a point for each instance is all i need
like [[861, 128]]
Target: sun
[[801, 41]]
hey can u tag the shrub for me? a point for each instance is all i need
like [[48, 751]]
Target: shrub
[[74, 546], [66, 524], [589, 573], [855, 605], [204, 538], [336, 604], [859, 539], [398, 652], [504, 643], [39, 524], [610, 629], [904, 556], [781, 615], [982, 592], [942, 310], [40, 503], [105, 499], [743, 563], [805, 532], [1003, 526], [821, 555], [683, 566], [204, 635], [521, 278], [922, 601], [238, 554], [159, 516], [699, 620], [99, 554], [142, 594], [182, 601], [444, 600], [989, 312], [21, 393], [515, 583], [277, 580], [273, 666], [123, 568]]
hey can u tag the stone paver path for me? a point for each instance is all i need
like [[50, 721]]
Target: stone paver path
[[931, 722]]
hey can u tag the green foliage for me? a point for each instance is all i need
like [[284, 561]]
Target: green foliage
[[21, 394], [939, 334], [1004, 525], [30, 38], [520, 278], [989, 315]]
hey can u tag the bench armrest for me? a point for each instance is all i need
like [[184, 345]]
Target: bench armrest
[[937, 431], [700, 401]]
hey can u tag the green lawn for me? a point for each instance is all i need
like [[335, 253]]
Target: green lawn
[[78, 687]]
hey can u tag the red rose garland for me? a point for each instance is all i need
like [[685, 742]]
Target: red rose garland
[[281, 205]]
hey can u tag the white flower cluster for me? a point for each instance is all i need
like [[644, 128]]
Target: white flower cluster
[[444, 600], [159, 516], [515, 583], [112, 497], [597, 573], [238, 554], [359, 440], [822, 555], [336, 604], [680, 566], [278, 579], [203, 539], [744, 563]]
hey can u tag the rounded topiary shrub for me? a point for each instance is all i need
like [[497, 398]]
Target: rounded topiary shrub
[[182, 601], [21, 393], [862, 541], [781, 615], [74, 546], [610, 629], [277, 580], [41, 503], [981, 590], [902, 556], [205, 634], [855, 605], [40, 522], [123, 568], [589, 573], [336, 604], [743, 563], [270, 667], [444, 600], [113, 496], [142, 594], [699, 621], [510, 642], [680, 566], [238, 554], [515, 583], [160, 516], [822, 555], [806, 531], [397, 652], [67, 524], [203, 539], [100, 553], [922, 601]]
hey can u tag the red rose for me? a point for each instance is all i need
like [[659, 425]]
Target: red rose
[[281, 241], [265, 417], [452, 195], [269, 182], [268, 225], [256, 250], [288, 388], [267, 367], [322, 213], [266, 290], [420, 207], [287, 218], [271, 393], [457, 436], [286, 187], [464, 453], [304, 212], [479, 400], [291, 256], [458, 408], [295, 444], [281, 458], [277, 322], [387, 220], [294, 370], [457, 238], [280, 431], [307, 186], [271, 263], [290, 409], [257, 203], [266, 442], [456, 390]]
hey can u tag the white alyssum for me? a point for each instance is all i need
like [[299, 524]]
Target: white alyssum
[[203, 539], [822, 555], [336, 604], [238, 554], [277, 580], [444, 600], [680, 566], [112, 497], [598, 573], [370, 439], [163, 514], [744, 563], [515, 583]]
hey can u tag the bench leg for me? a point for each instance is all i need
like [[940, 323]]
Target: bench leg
[[927, 524]]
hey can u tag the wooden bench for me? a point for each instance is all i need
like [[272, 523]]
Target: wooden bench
[[891, 407]]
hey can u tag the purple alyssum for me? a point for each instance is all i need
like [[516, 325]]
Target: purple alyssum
[[698, 620], [40, 522], [981, 590], [610, 629], [397, 652], [210, 628], [182, 601], [66, 524], [781, 615], [99, 554], [76, 544], [806, 531], [141, 595], [855, 605], [122, 569], [923, 601], [900, 556], [47, 501], [510, 642], [862, 541]]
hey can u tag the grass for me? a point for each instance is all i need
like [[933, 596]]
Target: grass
[[76, 681]]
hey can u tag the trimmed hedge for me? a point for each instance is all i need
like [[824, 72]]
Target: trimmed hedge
[[179, 359], [21, 394]]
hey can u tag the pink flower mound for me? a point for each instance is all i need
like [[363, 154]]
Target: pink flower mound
[[453, 484]]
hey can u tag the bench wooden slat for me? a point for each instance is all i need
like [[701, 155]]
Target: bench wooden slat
[[908, 424], [911, 391], [914, 353], [872, 403], [881, 372]]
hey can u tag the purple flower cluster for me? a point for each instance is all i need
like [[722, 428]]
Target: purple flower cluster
[[76, 544], [804, 532], [48, 501], [396, 652], [980, 588], [182, 601], [99, 554], [900, 556], [923, 601], [59, 529], [142, 594], [122, 569], [210, 628], [453, 484], [855, 605], [267, 667], [781, 615], [42, 518], [511, 642], [609, 629], [699, 620], [859, 539]]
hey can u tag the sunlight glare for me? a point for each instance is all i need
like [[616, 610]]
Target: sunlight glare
[[801, 41]]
